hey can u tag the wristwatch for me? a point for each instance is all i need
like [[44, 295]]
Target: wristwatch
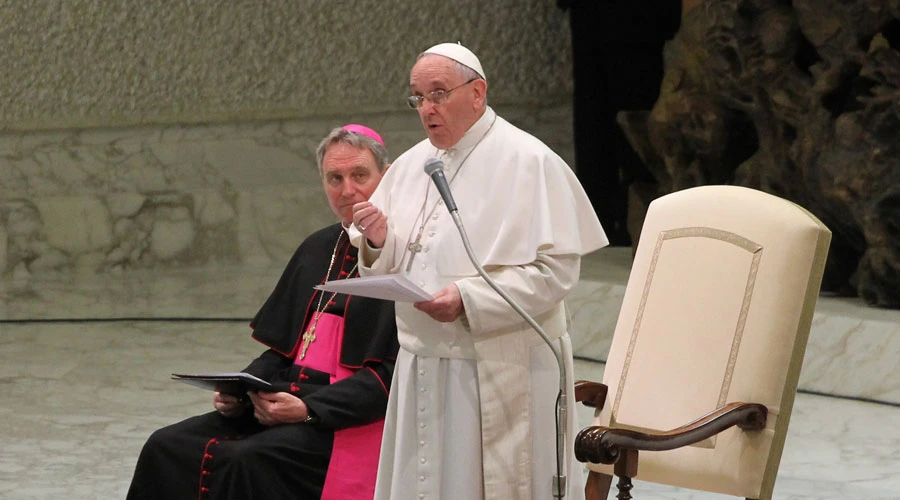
[[310, 419]]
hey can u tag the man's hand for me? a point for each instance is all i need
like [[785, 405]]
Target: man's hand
[[446, 305], [371, 222], [228, 405], [273, 408]]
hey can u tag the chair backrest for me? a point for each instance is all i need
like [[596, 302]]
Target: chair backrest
[[717, 310]]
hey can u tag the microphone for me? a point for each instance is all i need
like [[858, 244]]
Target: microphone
[[435, 169]]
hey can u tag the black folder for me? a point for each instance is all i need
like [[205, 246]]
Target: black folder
[[235, 383]]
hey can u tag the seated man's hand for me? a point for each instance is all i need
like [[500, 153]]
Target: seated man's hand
[[371, 222], [273, 408], [446, 305], [228, 405]]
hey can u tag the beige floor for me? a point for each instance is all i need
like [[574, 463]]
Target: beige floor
[[79, 397]]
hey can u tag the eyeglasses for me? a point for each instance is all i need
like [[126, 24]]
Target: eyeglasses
[[436, 97]]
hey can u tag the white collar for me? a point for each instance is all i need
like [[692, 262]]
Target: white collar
[[474, 134]]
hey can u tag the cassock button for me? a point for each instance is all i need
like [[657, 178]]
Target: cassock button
[[436, 216], [421, 372], [440, 202], [422, 408], [422, 479], [422, 425], [422, 443], [422, 460]]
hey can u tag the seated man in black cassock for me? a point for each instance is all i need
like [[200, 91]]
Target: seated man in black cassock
[[331, 356]]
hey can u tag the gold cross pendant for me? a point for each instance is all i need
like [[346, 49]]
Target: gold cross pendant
[[307, 337]]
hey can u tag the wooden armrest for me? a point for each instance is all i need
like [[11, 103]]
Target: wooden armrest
[[591, 394], [605, 444]]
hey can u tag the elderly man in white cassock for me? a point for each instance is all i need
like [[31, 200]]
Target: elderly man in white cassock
[[473, 405]]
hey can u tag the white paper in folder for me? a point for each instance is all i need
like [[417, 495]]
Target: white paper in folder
[[396, 287]]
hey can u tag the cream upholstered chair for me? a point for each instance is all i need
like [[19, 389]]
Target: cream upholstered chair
[[705, 359]]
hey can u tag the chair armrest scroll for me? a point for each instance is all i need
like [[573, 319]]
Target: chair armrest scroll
[[605, 444], [591, 394]]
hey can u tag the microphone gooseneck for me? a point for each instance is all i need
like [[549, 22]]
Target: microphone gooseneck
[[434, 167]]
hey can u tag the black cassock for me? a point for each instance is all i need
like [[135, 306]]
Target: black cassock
[[211, 456]]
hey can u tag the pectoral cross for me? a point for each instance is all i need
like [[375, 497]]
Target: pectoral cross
[[307, 337], [414, 248]]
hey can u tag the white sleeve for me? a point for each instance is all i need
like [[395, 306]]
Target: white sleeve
[[537, 287], [374, 261]]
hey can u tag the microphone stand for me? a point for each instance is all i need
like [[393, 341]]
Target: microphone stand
[[559, 479]]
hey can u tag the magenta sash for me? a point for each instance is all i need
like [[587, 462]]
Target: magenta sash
[[354, 456], [324, 353]]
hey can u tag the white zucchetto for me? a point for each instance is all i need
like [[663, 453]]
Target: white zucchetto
[[459, 54]]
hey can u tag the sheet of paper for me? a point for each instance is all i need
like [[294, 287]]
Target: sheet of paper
[[394, 287]]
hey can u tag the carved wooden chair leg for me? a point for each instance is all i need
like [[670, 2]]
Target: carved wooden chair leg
[[597, 487], [625, 469]]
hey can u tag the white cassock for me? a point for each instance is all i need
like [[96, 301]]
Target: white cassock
[[473, 402]]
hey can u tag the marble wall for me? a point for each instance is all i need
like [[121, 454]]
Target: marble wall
[[120, 199]]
